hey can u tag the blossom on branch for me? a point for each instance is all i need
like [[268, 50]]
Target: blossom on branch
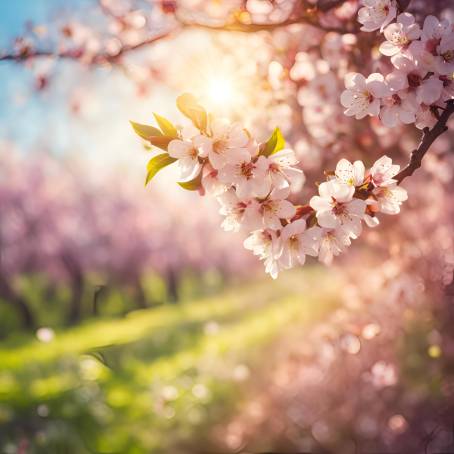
[[376, 14], [253, 182]]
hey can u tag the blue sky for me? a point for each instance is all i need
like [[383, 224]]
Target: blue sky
[[24, 112], [36, 120]]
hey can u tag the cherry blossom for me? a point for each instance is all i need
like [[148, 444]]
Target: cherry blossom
[[274, 208], [266, 245], [398, 108], [295, 245], [350, 174], [187, 153], [237, 212], [329, 242], [253, 182], [248, 177], [211, 183], [383, 171], [336, 207], [399, 35], [390, 198], [362, 96], [411, 74], [437, 45], [282, 171], [376, 14], [227, 144]]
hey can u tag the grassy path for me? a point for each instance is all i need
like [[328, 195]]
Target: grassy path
[[127, 385]]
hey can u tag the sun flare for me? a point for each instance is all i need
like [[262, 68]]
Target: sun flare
[[221, 91]]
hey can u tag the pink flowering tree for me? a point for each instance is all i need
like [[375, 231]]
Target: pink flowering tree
[[386, 63]]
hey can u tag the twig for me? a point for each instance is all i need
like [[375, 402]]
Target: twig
[[326, 5], [238, 26], [77, 54], [428, 138]]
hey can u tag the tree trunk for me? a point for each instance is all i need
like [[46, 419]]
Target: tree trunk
[[75, 303], [77, 286], [172, 286], [18, 303], [98, 295], [140, 298]]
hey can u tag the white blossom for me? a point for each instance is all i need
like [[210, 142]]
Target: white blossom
[[273, 209], [390, 198], [295, 244], [266, 245], [383, 172], [376, 14], [329, 242], [362, 96], [238, 213], [336, 207], [248, 176], [227, 145], [350, 174], [282, 171], [187, 153], [399, 35]]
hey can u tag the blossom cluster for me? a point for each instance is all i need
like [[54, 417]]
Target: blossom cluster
[[422, 78], [253, 183]]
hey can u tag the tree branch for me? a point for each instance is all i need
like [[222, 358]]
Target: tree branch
[[77, 54], [327, 5], [428, 138], [238, 26]]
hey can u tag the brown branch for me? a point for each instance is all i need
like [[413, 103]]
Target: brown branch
[[327, 5], [428, 138], [403, 4], [77, 54], [238, 26]]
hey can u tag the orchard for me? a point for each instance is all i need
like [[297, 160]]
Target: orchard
[[282, 282]]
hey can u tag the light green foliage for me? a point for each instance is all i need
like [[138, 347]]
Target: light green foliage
[[166, 126], [156, 378], [145, 131], [274, 144], [157, 163]]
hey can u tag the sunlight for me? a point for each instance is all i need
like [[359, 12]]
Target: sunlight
[[221, 91]]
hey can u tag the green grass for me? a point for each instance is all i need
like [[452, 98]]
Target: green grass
[[153, 379]]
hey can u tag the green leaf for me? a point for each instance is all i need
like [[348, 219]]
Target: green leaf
[[145, 131], [161, 142], [156, 164], [274, 144], [188, 106], [166, 126], [194, 184]]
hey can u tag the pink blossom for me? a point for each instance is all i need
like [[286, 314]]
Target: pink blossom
[[227, 144], [362, 96], [274, 208], [350, 174], [400, 107], [400, 34], [248, 177], [383, 171], [295, 244], [411, 75], [211, 183], [376, 14], [187, 153], [329, 242], [237, 213], [336, 207], [266, 245], [390, 198], [282, 172]]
